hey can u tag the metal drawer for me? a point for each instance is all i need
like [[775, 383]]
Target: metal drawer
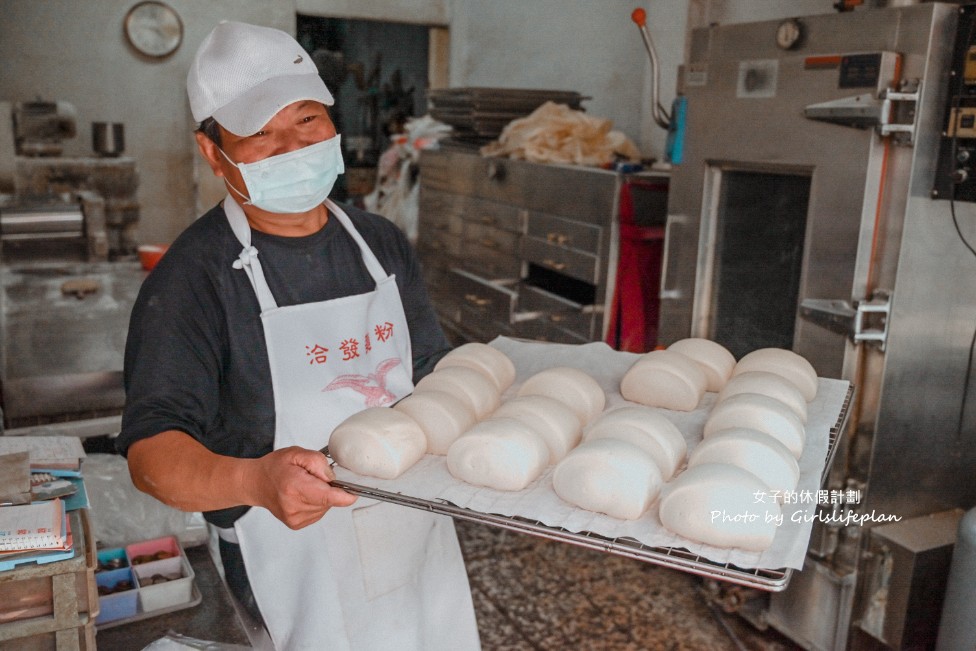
[[489, 263], [435, 172], [442, 298], [564, 232], [481, 212], [491, 252], [584, 193], [485, 307], [440, 211], [576, 264], [556, 310], [437, 244]]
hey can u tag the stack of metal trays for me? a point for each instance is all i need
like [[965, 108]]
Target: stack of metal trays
[[480, 114]]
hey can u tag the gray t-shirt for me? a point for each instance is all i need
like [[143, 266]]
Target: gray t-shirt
[[196, 359]]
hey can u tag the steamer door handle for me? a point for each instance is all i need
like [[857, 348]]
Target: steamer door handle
[[864, 322]]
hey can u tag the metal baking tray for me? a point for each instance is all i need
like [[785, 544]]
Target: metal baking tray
[[771, 580]]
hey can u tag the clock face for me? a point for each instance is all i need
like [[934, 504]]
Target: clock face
[[788, 34], [154, 28]]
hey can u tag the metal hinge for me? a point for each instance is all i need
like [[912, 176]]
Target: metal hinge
[[864, 322], [891, 113]]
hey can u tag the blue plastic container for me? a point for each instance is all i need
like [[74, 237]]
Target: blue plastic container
[[107, 556], [117, 605]]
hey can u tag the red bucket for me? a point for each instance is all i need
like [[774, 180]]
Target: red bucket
[[150, 254]]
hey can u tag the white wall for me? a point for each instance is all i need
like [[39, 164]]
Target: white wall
[[577, 45], [76, 52]]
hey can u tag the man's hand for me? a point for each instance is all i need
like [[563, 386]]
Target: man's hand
[[293, 483]]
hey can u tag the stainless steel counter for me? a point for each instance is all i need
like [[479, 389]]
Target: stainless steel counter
[[63, 328]]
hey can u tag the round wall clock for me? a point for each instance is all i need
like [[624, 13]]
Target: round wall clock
[[789, 33], [153, 28]]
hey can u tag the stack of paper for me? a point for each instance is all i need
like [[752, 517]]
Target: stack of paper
[[59, 455], [37, 533], [40, 481]]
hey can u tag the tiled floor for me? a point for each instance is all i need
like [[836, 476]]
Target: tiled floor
[[534, 594]]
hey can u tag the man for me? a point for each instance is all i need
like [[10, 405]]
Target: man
[[233, 345]]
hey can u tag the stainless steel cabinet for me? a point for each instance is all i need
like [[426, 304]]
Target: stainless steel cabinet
[[516, 248]]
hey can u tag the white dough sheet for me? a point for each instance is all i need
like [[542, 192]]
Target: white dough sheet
[[429, 479]]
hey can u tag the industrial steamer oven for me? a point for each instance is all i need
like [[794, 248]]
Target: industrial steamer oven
[[823, 204]]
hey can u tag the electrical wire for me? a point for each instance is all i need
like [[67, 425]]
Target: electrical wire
[[955, 222], [972, 342]]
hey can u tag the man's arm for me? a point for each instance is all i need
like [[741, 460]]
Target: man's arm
[[292, 483]]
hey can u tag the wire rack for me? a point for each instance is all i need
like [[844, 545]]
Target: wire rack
[[771, 580]]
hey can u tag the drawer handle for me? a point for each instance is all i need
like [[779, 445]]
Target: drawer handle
[[489, 221], [557, 238], [552, 264], [474, 299], [557, 318], [488, 242]]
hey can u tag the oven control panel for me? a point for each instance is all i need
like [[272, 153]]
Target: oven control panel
[[955, 174]]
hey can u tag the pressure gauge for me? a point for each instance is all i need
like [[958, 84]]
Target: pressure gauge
[[788, 34], [153, 28]]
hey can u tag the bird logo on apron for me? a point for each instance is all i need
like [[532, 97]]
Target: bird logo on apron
[[371, 386]]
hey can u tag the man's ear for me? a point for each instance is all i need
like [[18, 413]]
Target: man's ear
[[210, 152]]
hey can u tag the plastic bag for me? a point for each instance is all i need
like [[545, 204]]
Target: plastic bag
[[396, 195], [555, 133], [122, 514], [175, 642]]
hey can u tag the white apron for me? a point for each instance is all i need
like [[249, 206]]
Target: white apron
[[374, 575]]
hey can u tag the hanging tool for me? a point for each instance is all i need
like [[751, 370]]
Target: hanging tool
[[673, 122], [661, 117]]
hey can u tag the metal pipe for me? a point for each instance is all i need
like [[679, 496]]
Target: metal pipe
[[660, 115], [41, 222]]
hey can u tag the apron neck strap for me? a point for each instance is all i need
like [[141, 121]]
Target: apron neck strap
[[372, 263], [248, 258]]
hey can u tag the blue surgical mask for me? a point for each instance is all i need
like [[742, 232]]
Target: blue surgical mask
[[294, 182]]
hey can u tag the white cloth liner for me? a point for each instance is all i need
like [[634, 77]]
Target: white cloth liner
[[430, 480]]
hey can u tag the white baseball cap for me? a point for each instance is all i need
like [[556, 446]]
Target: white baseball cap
[[243, 75]]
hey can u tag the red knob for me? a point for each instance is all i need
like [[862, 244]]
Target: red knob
[[639, 16]]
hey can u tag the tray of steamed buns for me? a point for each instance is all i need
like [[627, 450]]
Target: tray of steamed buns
[[684, 457]]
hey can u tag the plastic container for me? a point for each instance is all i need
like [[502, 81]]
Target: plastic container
[[150, 254], [178, 587], [118, 605], [157, 548], [111, 559]]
